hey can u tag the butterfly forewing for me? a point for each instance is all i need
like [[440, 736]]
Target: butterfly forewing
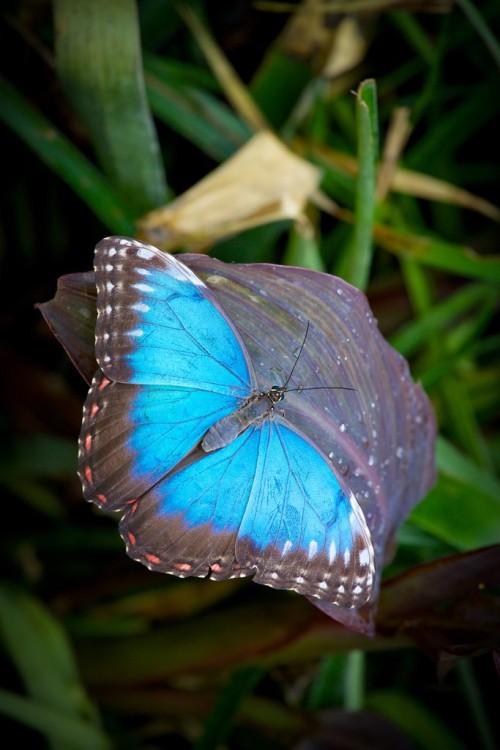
[[159, 324], [133, 435], [143, 413]]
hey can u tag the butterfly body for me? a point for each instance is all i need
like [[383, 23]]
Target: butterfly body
[[212, 480], [257, 407]]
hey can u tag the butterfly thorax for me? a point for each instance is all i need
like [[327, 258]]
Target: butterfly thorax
[[255, 408]]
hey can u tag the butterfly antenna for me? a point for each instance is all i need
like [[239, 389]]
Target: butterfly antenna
[[312, 388], [296, 361], [322, 388]]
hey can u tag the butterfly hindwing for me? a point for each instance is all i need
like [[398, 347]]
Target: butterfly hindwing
[[315, 540], [266, 505], [133, 435], [188, 523]]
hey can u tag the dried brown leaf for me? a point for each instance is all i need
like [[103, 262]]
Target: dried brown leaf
[[261, 183]]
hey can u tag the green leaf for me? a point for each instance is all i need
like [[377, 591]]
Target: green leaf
[[63, 158], [220, 721], [98, 57], [463, 509], [196, 114], [38, 647], [61, 730], [420, 725]]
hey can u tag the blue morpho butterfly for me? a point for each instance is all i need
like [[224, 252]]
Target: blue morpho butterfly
[[213, 479]]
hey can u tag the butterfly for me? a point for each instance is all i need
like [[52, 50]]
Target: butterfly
[[210, 477]]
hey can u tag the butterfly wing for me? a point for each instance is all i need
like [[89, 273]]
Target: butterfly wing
[[267, 505], [315, 542], [171, 365], [132, 435], [158, 323], [188, 523]]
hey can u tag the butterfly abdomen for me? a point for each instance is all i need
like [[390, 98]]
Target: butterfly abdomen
[[228, 428]]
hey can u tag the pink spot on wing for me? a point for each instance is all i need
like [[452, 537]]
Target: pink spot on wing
[[216, 568], [134, 502], [185, 567], [131, 538], [102, 498], [88, 442], [94, 409], [88, 473], [152, 558], [102, 385]]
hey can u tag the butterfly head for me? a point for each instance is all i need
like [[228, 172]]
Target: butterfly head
[[276, 394]]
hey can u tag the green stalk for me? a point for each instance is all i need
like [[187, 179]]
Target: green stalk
[[354, 681], [219, 723]]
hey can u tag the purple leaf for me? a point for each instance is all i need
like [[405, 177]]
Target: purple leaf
[[446, 606], [71, 317], [380, 436], [354, 730]]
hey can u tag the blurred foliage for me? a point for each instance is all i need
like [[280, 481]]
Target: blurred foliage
[[107, 107]]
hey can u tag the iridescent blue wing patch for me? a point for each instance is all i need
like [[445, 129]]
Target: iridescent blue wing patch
[[266, 505], [159, 324], [133, 435]]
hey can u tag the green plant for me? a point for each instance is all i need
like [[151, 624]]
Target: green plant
[[94, 122]]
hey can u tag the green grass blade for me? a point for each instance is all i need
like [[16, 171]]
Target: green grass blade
[[477, 21], [38, 647], [326, 689], [278, 84], [420, 725], [460, 467], [479, 712], [180, 74], [68, 733], [234, 89], [219, 723], [408, 25], [462, 420], [354, 681], [356, 263], [64, 159], [195, 114], [415, 335], [448, 513], [438, 253], [99, 63], [464, 120], [160, 23], [303, 249]]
